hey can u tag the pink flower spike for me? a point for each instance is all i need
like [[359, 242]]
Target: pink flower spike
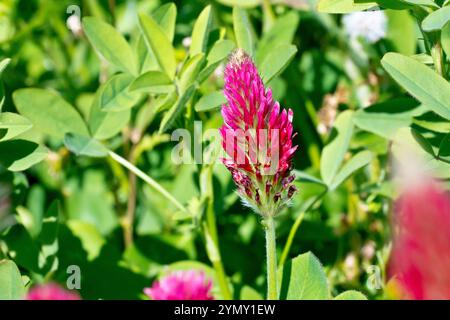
[[181, 285], [51, 291], [257, 138], [420, 258]]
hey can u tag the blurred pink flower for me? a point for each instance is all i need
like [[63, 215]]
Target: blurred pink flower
[[51, 291], [257, 136], [421, 251], [181, 285]]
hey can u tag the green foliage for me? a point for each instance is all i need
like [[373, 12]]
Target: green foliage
[[421, 82], [303, 279], [11, 285], [87, 175]]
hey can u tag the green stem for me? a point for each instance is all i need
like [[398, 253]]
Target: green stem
[[291, 237], [222, 279], [271, 251], [155, 185], [295, 226], [214, 256]]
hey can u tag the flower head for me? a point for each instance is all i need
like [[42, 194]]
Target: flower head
[[420, 258], [51, 291], [257, 137], [181, 285], [370, 25]]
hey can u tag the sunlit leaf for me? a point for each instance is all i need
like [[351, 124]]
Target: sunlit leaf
[[11, 284], [49, 113], [110, 44], [420, 81]]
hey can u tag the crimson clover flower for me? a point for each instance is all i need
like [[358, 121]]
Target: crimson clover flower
[[420, 259], [51, 291], [257, 137], [181, 285]]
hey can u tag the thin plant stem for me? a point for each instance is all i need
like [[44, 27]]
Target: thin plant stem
[[211, 230], [131, 205], [294, 229], [155, 185], [271, 252], [290, 238], [217, 263], [222, 279]]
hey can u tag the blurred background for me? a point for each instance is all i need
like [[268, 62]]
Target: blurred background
[[336, 68]]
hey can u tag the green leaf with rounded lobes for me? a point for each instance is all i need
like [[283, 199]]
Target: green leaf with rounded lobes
[[401, 31], [110, 44], [173, 113], [248, 293], [437, 19], [351, 295], [385, 4], [85, 146], [343, 6], [201, 31], [241, 3], [155, 82], [166, 17], [339, 141], [115, 95], [281, 33], [243, 31], [49, 113], [360, 160], [277, 61], [219, 52], [420, 81], [211, 101], [12, 125], [428, 3], [159, 44], [303, 278], [103, 124], [11, 284], [385, 118], [189, 72], [445, 39], [20, 155]]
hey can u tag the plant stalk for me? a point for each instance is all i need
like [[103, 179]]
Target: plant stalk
[[155, 185], [131, 205], [271, 252], [222, 279], [294, 229], [290, 238]]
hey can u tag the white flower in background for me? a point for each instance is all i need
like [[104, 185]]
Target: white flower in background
[[187, 42], [74, 25], [370, 25]]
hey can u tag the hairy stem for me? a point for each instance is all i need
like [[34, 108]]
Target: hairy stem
[[271, 252]]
